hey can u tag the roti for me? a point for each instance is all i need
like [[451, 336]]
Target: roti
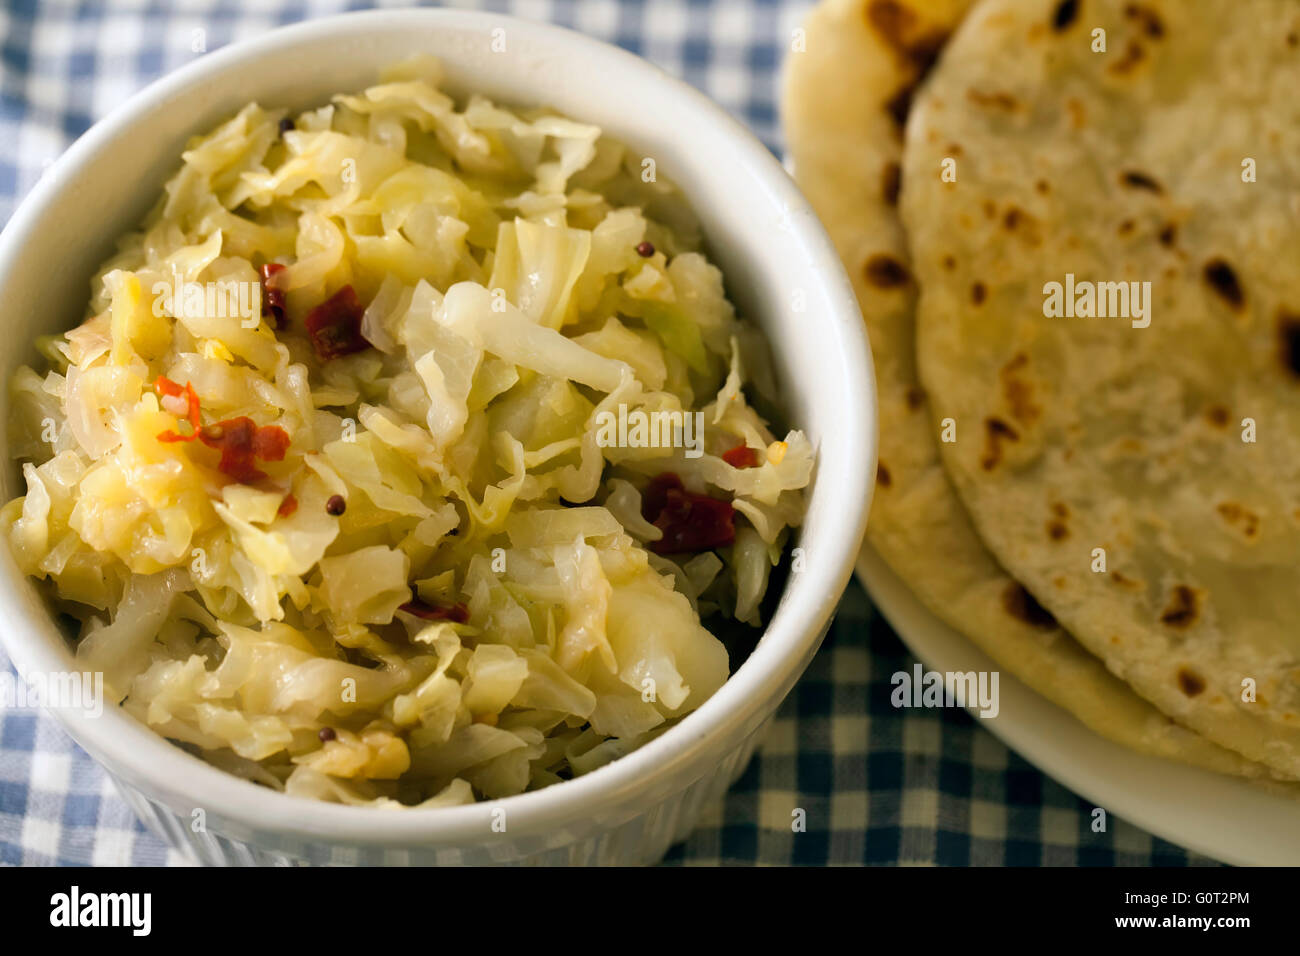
[[845, 99], [1102, 200]]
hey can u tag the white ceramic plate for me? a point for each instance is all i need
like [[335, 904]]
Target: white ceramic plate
[[1215, 815]]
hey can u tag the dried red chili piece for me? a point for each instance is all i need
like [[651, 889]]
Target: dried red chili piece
[[270, 442], [288, 506], [272, 294], [456, 613], [240, 441], [742, 456], [655, 496], [334, 326], [180, 401], [689, 521]]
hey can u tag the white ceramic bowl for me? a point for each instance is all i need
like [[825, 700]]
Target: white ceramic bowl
[[775, 257]]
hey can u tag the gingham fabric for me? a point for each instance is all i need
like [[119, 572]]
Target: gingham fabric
[[877, 785]]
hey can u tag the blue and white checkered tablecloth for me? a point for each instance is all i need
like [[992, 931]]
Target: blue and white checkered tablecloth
[[879, 785]]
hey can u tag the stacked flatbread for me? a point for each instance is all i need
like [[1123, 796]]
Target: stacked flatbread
[[1074, 230]]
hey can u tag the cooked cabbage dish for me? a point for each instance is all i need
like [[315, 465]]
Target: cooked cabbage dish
[[404, 449]]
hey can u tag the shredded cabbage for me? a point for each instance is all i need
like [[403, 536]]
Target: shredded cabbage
[[325, 474]]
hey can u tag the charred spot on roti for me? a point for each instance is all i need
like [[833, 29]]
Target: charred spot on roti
[[996, 432], [890, 19], [914, 46], [1124, 581], [891, 181], [996, 99], [1136, 179], [883, 477], [1019, 391], [1023, 606], [1016, 220], [1134, 54], [1066, 12], [1168, 234], [898, 25], [885, 272], [1057, 528], [1183, 608], [1288, 341], [1239, 517], [1217, 415], [1146, 18], [1043, 187], [915, 397], [978, 293], [950, 262], [1190, 682], [1127, 226], [1222, 278]]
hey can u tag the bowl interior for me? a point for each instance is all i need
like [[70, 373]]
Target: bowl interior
[[779, 267]]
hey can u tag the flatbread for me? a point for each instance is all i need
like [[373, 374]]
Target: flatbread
[[1174, 448], [844, 95]]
